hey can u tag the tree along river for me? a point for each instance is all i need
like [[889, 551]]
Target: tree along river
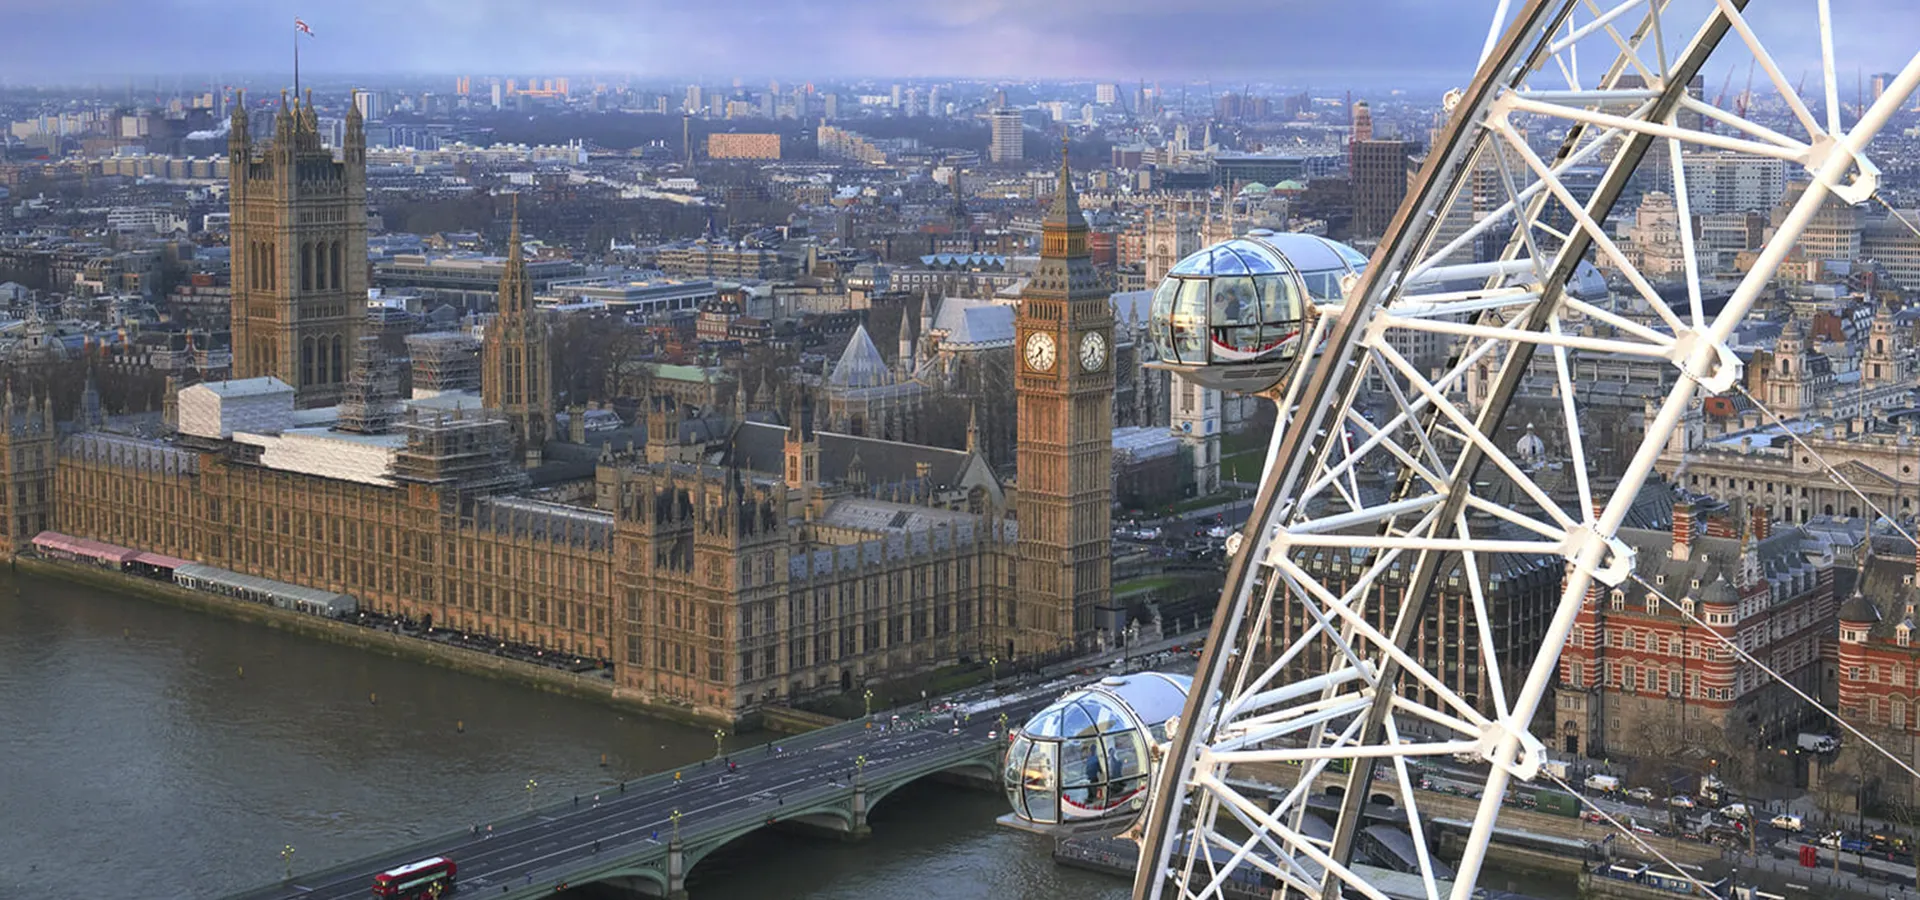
[[149, 751]]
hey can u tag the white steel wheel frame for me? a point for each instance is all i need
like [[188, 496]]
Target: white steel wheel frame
[[1204, 821]]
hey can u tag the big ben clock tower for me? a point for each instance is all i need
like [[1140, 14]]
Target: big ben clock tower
[[1063, 375]]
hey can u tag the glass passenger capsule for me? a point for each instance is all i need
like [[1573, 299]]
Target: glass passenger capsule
[[1234, 316], [1087, 757]]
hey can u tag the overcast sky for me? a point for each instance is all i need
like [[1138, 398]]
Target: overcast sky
[[1294, 41]]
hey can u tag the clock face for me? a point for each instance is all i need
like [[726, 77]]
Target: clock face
[[1040, 351], [1093, 351]]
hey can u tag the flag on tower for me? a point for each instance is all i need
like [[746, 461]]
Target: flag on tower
[[300, 25]]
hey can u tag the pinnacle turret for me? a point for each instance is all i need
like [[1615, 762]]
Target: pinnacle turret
[[1066, 206]]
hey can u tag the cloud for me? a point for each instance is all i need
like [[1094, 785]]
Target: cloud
[[1291, 41]]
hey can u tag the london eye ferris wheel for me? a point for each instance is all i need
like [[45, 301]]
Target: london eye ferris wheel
[[1397, 469]]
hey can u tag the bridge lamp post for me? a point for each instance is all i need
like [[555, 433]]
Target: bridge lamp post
[[675, 818], [869, 704], [719, 736], [860, 763], [531, 784], [993, 668], [286, 857]]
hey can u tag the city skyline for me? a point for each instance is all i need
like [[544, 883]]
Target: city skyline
[[1072, 39]]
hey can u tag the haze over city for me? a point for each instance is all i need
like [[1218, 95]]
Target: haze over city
[[848, 449], [1292, 41]]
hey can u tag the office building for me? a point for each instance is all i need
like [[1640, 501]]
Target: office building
[[1009, 137], [1380, 179]]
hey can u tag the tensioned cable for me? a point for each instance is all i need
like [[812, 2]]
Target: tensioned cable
[[1633, 835]]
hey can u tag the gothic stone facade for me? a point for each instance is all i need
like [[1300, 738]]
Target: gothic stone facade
[[692, 580]]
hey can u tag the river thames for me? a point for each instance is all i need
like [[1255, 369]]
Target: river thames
[[150, 751]]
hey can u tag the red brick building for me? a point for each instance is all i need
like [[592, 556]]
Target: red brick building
[[1640, 679], [1879, 668]]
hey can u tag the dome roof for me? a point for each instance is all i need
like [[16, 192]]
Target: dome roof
[[1720, 593], [1530, 448], [1112, 704], [1235, 257], [1311, 252], [1859, 610], [1256, 188]]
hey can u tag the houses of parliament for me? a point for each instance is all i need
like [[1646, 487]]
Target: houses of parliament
[[718, 565]]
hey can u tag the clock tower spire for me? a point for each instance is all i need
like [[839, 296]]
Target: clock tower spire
[[1063, 378]]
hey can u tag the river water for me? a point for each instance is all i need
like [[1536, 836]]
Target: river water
[[148, 751]]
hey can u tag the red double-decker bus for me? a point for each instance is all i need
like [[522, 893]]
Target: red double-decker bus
[[416, 879]]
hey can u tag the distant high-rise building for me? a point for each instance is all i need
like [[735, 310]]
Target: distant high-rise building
[[936, 104], [498, 99], [1009, 136], [768, 103], [371, 104], [696, 99], [1362, 122], [299, 240], [1729, 181], [831, 108], [1379, 183], [1106, 94], [896, 96]]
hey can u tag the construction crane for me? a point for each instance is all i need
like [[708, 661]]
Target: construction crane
[[1746, 96]]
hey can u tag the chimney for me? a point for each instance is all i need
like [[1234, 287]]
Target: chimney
[[1762, 522], [1682, 527]]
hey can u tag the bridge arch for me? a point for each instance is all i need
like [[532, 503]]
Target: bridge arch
[[646, 880], [832, 816], [988, 769]]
